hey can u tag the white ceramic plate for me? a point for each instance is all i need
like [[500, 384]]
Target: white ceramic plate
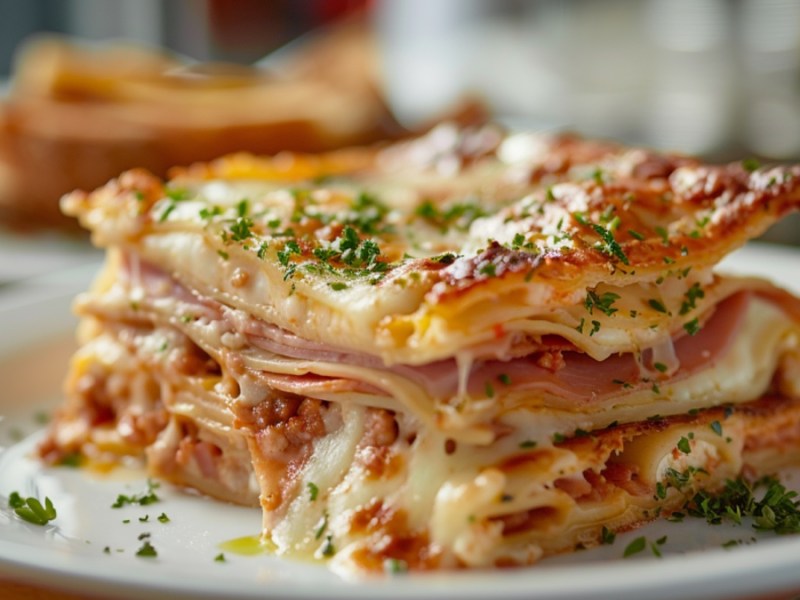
[[70, 552]]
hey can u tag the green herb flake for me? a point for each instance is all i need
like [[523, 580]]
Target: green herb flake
[[604, 302], [657, 305], [660, 367], [31, 510], [207, 214], [610, 246], [328, 549], [656, 550], [663, 234], [636, 235], [635, 547], [684, 445], [579, 328], [166, 212], [177, 194], [751, 164], [313, 491], [716, 427], [607, 536], [661, 491], [72, 460], [224, 255], [692, 295], [240, 230], [142, 499], [163, 518], [337, 286], [395, 566], [489, 389], [527, 444], [147, 551], [559, 438], [692, 327], [489, 269], [219, 557]]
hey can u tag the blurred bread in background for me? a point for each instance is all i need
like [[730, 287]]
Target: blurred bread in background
[[76, 115]]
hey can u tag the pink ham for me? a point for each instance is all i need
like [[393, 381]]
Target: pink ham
[[580, 380]]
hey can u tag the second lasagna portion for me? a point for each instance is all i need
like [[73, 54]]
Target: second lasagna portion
[[465, 350]]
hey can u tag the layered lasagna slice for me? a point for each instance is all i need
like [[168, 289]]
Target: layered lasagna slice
[[465, 350]]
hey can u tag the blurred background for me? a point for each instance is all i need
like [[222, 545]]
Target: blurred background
[[714, 78]]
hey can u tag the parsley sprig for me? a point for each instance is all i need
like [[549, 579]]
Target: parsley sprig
[[31, 510], [143, 499], [776, 510]]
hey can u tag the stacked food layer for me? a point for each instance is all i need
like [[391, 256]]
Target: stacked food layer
[[469, 349]]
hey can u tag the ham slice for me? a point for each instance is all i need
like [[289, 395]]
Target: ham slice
[[578, 379]]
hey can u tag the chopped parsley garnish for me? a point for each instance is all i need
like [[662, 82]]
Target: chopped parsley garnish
[[558, 438], [313, 490], [777, 509], [657, 305], [604, 303], [224, 255], [750, 164], [395, 566], [661, 491], [692, 327], [147, 550], [489, 269], [460, 215], [504, 379], [289, 248], [144, 519], [660, 367], [692, 295], [635, 235], [663, 234], [489, 389], [595, 328], [684, 445], [337, 286], [73, 460], [31, 510], [607, 536], [240, 230], [219, 557], [635, 547], [242, 207], [609, 246], [143, 499], [328, 549], [207, 214], [527, 444], [177, 194], [369, 214], [163, 518], [579, 328], [167, 211]]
